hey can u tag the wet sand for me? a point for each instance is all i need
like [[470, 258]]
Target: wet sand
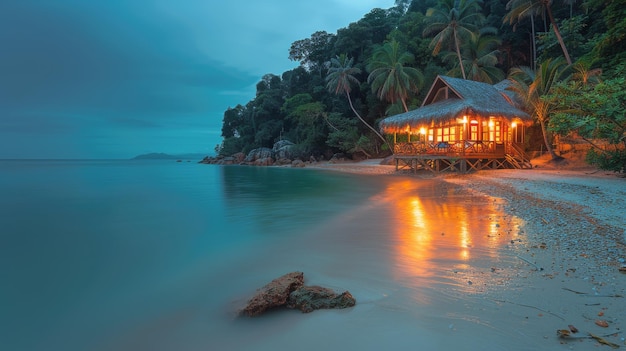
[[560, 267]]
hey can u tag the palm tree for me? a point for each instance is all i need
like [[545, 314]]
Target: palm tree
[[390, 78], [519, 9], [585, 74], [532, 86], [571, 7], [339, 81], [453, 22], [516, 13], [479, 59]]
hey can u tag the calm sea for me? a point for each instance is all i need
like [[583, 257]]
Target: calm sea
[[160, 255]]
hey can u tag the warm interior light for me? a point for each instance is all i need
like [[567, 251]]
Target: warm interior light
[[513, 124], [464, 119], [423, 131], [491, 124]]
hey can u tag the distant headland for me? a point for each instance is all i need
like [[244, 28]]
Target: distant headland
[[164, 156]]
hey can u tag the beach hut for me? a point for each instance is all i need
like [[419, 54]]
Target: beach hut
[[461, 126]]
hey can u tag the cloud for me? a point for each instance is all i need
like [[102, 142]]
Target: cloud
[[75, 68]]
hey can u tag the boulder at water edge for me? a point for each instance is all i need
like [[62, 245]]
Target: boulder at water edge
[[310, 298], [274, 294], [289, 291]]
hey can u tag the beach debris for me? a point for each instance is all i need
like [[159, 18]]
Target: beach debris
[[602, 323], [537, 268], [622, 269], [529, 306], [575, 292], [594, 295], [573, 328], [604, 341], [563, 333], [566, 334], [289, 291]]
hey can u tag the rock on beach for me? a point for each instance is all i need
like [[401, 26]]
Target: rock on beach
[[274, 294], [310, 298], [289, 291]]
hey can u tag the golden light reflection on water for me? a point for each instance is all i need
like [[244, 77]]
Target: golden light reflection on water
[[439, 231]]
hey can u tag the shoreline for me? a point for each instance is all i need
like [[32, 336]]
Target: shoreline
[[573, 249]]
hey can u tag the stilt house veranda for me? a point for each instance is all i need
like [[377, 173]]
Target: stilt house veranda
[[462, 125]]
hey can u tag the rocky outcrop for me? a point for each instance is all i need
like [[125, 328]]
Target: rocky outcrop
[[265, 161], [310, 298], [282, 149], [239, 157], [282, 153], [257, 154], [282, 162], [235, 159], [337, 158], [274, 294], [289, 291], [297, 163]]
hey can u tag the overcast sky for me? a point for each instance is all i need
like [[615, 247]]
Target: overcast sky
[[118, 78]]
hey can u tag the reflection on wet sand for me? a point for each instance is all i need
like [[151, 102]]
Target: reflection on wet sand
[[441, 234]]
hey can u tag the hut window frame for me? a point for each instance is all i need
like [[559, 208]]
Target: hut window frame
[[495, 134], [486, 130], [474, 130], [449, 134]]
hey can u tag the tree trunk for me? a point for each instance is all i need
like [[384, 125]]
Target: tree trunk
[[367, 124], [458, 53], [406, 109], [328, 122], [534, 43], [558, 36], [549, 147]]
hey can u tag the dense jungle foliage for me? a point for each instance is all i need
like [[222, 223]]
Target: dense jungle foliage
[[567, 59]]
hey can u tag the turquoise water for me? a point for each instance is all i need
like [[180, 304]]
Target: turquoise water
[[159, 255], [89, 247]]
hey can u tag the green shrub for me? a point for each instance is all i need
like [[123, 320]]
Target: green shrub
[[610, 160]]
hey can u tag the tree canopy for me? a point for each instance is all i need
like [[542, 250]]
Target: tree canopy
[[377, 66]]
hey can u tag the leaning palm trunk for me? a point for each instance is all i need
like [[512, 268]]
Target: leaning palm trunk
[[542, 110], [458, 54], [328, 122], [367, 124], [534, 43], [547, 142], [557, 33], [406, 108]]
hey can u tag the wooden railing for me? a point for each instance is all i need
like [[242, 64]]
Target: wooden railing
[[449, 148]]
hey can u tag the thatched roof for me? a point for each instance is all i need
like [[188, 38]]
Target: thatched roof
[[458, 98]]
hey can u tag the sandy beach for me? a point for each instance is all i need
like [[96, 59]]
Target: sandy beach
[[566, 289], [163, 256]]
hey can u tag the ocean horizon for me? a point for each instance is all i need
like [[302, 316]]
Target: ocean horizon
[[161, 255]]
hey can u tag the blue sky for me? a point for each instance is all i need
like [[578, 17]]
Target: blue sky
[[118, 78]]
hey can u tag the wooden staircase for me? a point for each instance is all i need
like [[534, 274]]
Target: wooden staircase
[[517, 158]]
